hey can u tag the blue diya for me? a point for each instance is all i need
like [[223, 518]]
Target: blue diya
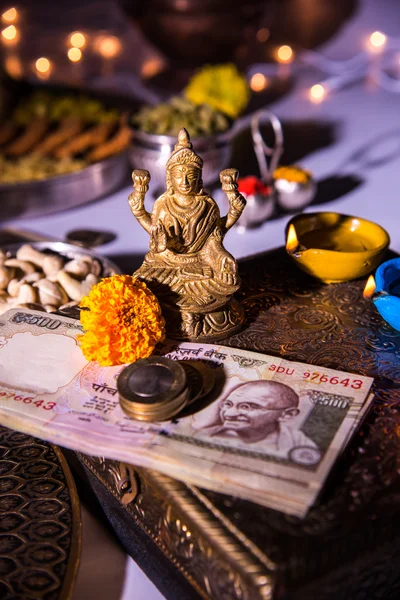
[[384, 291]]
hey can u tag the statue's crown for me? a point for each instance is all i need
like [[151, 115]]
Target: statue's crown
[[183, 153]]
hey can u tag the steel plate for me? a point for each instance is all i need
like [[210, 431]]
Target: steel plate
[[43, 197]]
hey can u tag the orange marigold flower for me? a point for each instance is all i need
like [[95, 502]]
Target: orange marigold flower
[[122, 321]]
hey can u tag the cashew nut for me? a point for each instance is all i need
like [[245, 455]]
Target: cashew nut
[[51, 292], [26, 252], [50, 263], [77, 267], [14, 287], [83, 265], [95, 265], [74, 288], [23, 265], [6, 274], [27, 294], [33, 277], [88, 283]]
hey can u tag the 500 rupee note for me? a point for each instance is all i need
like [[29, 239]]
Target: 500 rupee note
[[269, 432]]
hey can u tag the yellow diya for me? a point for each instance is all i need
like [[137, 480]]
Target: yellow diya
[[334, 247]]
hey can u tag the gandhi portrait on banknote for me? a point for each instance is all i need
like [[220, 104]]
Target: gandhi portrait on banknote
[[258, 414]]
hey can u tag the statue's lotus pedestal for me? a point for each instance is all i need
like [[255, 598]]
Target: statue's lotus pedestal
[[204, 325]]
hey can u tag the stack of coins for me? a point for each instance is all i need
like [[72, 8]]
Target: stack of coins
[[153, 389], [201, 379], [158, 388]]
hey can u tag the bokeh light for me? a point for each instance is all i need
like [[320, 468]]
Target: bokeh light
[[284, 54], [377, 41], [74, 54], [10, 34], [13, 66], [10, 15], [262, 34], [43, 65], [77, 39], [258, 82], [109, 46], [317, 93], [151, 67]]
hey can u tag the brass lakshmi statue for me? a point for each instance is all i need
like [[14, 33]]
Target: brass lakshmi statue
[[188, 268]]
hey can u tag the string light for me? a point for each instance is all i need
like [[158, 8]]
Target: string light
[[366, 64], [377, 41], [42, 64], [43, 67], [284, 54], [13, 66], [74, 54], [10, 15], [151, 67], [262, 35], [77, 39], [10, 34], [109, 46], [317, 93], [258, 82]]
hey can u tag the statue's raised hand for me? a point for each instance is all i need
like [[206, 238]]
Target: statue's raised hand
[[228, 179], [237, 203], [141, 180]]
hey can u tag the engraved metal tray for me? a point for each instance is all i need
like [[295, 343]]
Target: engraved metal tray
[[347, 546], [40, 525]]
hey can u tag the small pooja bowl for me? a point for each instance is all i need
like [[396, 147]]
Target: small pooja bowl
[[384, 291], [334, 247], [294, 188]]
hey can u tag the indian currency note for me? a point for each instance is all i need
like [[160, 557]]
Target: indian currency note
[[269, 432]]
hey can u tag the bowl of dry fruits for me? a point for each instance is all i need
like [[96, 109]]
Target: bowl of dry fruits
[[49, 276]]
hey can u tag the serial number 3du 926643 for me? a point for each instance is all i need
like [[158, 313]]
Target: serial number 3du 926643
[[45, 404], [356, 384]]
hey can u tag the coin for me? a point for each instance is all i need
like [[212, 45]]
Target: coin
[[208, 376], [153, 389], [161, 413], [201, 379], [150, 381], [194, 379], [89, 238]]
